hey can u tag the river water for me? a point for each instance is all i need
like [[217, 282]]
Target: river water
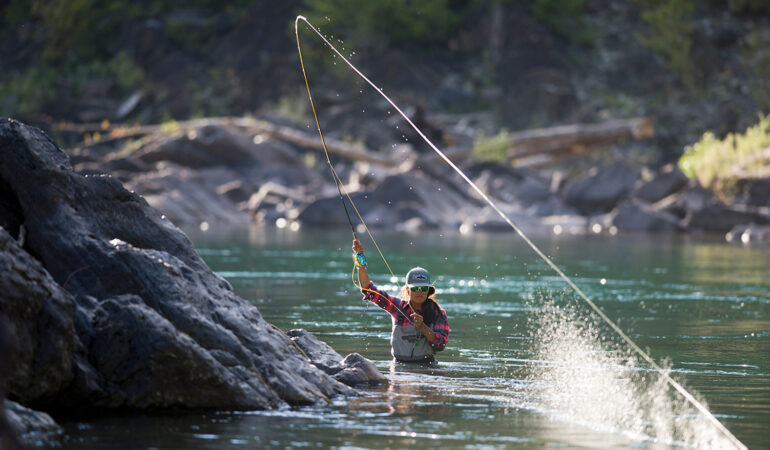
[[527, 364]]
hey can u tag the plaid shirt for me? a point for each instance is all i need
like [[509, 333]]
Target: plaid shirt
[[391, 304]]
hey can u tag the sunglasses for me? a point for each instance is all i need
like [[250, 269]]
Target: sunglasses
[[420, 288]]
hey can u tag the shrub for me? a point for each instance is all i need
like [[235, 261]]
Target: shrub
[[718, 164], [492, 148]]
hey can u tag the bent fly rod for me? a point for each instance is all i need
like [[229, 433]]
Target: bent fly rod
[[673, 383]]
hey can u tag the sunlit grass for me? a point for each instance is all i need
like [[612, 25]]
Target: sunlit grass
[[491, 148]]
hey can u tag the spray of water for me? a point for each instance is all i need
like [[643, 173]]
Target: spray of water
[[583, 378]]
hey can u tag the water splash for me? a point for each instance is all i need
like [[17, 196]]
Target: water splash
[[582, 378]]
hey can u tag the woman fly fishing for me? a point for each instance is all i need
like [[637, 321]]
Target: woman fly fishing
[[420, 326]]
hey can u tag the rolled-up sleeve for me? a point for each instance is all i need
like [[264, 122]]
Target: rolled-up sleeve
[[380, 298], [441, 328]]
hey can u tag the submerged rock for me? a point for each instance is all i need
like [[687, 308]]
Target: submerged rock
[[749, 234], [353, 370], [114, 307]]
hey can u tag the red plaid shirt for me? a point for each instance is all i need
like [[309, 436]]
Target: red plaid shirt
[[440, 325]]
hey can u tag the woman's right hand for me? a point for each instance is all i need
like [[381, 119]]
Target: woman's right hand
[[357, 247]]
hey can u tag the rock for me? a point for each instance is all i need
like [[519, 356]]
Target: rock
[[513, 185], [722, 218], [353, 370], [328, 211], [357, 370], [34, 428], [9, 435], [395, 201], [664, 183], [118, 308], [188, 197], [680, 204], [749, 234], [39, 313], [758, 192], [602, 189], [639, 216], [416, 195]]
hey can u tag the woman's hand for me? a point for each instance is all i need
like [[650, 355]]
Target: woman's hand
[[357, 247], [424, 329], [418, 321]]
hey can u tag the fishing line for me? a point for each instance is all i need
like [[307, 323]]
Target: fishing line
[[678, 387], [338, 182]]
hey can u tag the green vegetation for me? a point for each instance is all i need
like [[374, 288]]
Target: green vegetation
[[565, 18], [671, 25], [492, 148], [74, 38], [719, 164], [398, 22]]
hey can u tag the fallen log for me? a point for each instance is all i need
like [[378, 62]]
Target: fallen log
[[105, 131], [576, 139]]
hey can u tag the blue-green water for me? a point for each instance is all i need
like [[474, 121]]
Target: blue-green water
[[518, 372]]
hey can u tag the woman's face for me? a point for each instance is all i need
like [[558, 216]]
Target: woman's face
[[418, 297]]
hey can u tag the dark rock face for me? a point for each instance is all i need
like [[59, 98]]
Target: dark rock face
[[602, 189], [8, 433], [114, 307], [40, 317]]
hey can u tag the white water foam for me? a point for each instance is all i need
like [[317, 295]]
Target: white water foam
[[583, 379]]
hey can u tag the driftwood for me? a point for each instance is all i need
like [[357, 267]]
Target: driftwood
[[551, 145], [99, 133], [527, 148]]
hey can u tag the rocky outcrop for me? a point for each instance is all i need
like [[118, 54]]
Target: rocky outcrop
[[113, 306]]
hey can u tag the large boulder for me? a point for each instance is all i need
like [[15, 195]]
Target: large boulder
[[602, 188], [639, 216], [117, 308], [666, 181]]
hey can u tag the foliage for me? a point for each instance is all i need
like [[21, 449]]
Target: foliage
[[399, 22], [28, 92], [719, 163], [565, 18], [492, 148], [671, 27], [24, 94]]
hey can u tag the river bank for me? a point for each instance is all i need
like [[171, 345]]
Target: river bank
[[239, 171]]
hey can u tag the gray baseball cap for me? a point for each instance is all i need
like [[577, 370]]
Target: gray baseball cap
[[418, 277]]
